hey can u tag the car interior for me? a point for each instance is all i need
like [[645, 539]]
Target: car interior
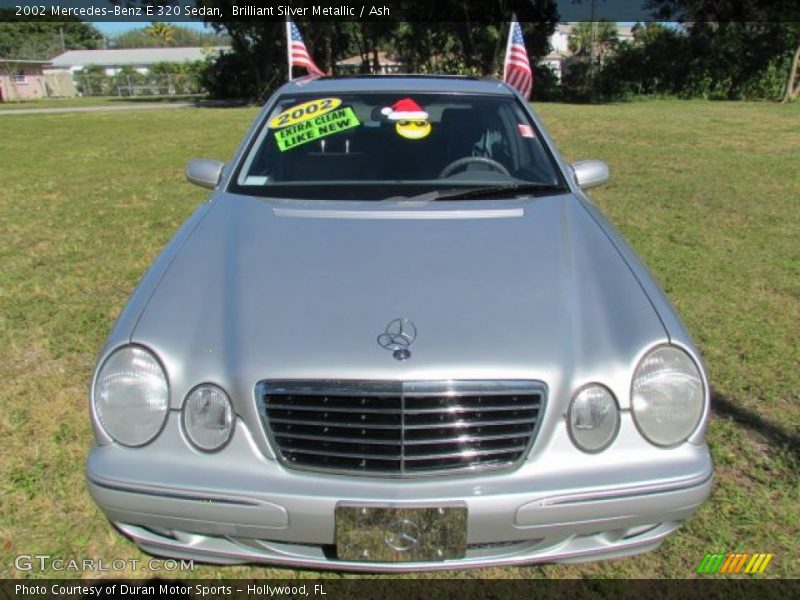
[[483, 136]]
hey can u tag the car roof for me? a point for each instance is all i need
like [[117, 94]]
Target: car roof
[[398, 83]]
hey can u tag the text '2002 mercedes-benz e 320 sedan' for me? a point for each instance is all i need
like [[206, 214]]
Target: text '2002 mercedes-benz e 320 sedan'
[[398, 336]]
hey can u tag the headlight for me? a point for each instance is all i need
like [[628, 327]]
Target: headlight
[[131, 396], [593, 418], [208, 417], [667, 396]]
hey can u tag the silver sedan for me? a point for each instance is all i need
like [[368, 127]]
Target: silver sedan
[[398, 336]]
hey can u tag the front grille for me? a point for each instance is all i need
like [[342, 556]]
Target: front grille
[[401, 428]]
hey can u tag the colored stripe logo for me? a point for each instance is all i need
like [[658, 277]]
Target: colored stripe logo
[[734, 563]]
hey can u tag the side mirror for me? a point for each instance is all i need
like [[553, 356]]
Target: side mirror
[[204, 172], [590, 173]]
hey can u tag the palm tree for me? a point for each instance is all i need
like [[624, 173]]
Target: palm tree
[[163, 33], [793, 80], [594, 39]]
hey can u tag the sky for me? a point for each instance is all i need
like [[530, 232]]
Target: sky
[[109, 28]]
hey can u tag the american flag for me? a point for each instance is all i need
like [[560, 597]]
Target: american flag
[[298, 53], [516, 67]]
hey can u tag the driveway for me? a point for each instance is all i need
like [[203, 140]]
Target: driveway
[[44, 111]]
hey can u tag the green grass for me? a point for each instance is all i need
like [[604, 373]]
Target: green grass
[[83, 101], [707, 193]]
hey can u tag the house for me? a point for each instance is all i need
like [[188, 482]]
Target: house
[[22, 80], [625, 33], [559, 40], [560, 56], [141, 59]]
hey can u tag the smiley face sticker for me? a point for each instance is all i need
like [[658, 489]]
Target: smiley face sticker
[[411, 120]]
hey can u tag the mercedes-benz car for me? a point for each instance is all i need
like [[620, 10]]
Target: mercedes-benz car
[[398, 336]]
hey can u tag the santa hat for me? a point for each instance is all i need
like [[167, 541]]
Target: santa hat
[[405, 110]]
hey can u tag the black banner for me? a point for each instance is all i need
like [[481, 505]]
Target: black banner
[[395, 10], [368, 588]]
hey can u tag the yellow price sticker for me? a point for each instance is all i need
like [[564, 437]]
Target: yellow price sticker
[[303, 112]]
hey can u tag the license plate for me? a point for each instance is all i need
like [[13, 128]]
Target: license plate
[[367, 533]]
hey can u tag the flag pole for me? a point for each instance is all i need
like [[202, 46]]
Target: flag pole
[[289, 47], [508, 44]]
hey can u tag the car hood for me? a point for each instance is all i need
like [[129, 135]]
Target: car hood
[[507, 289]]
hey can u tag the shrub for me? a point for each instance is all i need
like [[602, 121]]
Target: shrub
[[93, 81], [546, 87]]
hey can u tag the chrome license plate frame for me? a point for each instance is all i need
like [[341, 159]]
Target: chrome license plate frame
[[386, 533]]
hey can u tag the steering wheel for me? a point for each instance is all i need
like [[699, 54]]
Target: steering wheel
[[461, 162]]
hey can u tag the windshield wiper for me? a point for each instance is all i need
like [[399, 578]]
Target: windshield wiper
[[512, 189]]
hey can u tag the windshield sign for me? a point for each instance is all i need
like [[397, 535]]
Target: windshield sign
[[370, 146]]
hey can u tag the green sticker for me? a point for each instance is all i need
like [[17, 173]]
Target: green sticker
[[318, 127]]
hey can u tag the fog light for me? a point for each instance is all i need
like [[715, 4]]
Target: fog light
[[208, 417], [593, 418]]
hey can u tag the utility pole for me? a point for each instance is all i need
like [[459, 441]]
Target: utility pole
[[61, 33], [592, 50]]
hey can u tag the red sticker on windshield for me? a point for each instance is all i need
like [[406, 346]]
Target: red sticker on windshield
[[525, 130]]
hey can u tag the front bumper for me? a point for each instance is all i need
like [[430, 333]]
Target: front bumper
[[237, 506]]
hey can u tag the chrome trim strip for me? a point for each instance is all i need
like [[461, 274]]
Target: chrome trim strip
[[485, 387], [513, 213], [463, 424], [404, 390], [337, 409], [468, 453], [341, 424], [163, 492], [467, 438], [402, 455], [625, 492], [341, 440], [316, 452], [393, 442], [466, 409]]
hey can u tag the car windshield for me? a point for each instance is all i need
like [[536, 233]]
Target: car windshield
[[373, 146]]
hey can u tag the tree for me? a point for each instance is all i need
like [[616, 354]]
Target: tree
[[181, 37], [792, 88], [42, 40], [34, 40], [592, 42], [593, 39], [425, 48], [255, 64], [718, 61], [773, 30], [473, 44], [655, 63], [163, 33], [473, 40], [649, 32]]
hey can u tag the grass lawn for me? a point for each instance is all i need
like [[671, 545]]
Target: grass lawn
[[82, 101], [707, 193]]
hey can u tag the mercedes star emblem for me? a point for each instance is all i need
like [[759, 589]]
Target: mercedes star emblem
[[402, 535], [399, 335]]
